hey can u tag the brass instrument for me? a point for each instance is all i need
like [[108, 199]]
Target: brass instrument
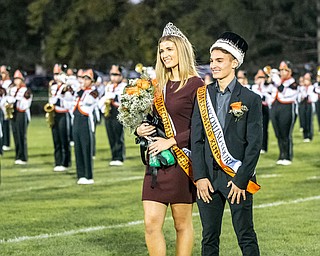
[[107, 108], [49, 109], [318, 71], [9, 110], [108, 101], [267, 70], [9, 107], [139, 68]]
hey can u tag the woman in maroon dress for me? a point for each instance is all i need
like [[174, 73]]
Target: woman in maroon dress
[[178, 83]]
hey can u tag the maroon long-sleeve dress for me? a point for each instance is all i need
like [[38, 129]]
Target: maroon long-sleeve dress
[[173, 185]]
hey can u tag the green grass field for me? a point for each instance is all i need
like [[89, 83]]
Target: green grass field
[[46, 213]]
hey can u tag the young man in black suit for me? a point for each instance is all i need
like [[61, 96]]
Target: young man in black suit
[[226, 137]]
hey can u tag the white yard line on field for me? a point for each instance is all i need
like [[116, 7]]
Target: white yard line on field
[[296, 201], [69, 233], [111, 180], [134, 223], [115, 180], [269, 175], [313, 178]]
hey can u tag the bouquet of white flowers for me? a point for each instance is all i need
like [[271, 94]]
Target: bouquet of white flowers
[[136, 101], [135, 108]]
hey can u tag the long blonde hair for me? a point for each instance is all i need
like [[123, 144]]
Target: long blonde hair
[[186, 58]]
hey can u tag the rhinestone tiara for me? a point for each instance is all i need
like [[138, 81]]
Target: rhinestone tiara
[[172, 30]]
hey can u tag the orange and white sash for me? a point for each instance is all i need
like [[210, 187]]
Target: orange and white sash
[[182, 159], [215, 136]]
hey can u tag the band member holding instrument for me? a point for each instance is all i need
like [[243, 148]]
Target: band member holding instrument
[[21, 98], [264, 89], [283, 111], [226, 136], [317, 91], [6, 82], [108, 105], [3, 94], [61, 123], [83, 128], [306, 99]]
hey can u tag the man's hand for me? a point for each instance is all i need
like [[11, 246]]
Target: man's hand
[[204, 188], [236, 193]]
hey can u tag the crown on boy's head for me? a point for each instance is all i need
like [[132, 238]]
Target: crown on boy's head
[[172, 30], [232, 43]]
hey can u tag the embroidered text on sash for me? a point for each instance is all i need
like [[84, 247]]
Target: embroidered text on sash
[[217, 143]]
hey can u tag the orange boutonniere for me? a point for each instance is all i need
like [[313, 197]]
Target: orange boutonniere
[[238, 110]]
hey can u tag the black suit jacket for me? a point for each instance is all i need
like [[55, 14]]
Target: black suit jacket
[[243, 139]]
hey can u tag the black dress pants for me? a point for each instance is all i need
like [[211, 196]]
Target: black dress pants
[[306, 119], [265, 127], [61, 139], [211, 218], [283, 118], [318, 113], [115, 133], [83, 145], [1, 127], [19, 131], [6, 133]]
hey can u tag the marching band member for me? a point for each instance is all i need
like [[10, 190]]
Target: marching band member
[[21, 98], [83, 128], [317, 91], [306, 99], [80, 79], [61, 123], [109, 104], [264, 89], [283, 114], [98, 85], [3, 94], [73, 81], [5, 83], [243, 79], [76, 86], [300, 89]]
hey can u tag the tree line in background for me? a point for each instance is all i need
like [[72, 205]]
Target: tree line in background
[[98, 33]]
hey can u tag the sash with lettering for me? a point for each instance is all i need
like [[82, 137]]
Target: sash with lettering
[[182, 159], [215, 136]]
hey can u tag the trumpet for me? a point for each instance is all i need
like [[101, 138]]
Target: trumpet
[[267, 70], [9, 107], [139, 68], [107, 108], [49, 109], [9, 110], [108, 95]]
